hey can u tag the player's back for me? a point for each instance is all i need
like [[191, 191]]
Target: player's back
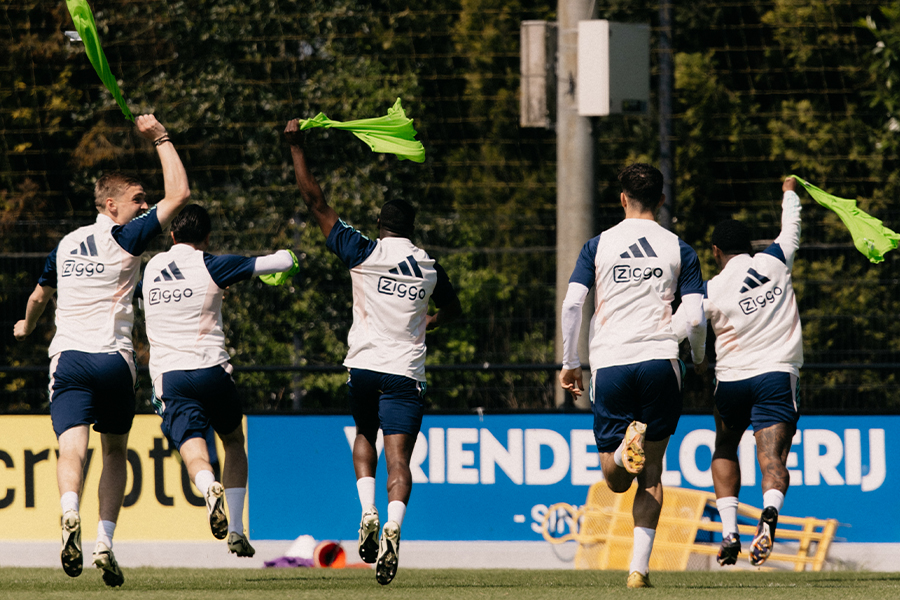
[[183, 311], [391, 290], [753, 311], [638, 270], [393, 281], [95, 279]]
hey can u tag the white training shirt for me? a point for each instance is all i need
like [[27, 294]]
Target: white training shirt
[[94, 270], [753, 310], [182, 297], [392, 283], [639, 269]]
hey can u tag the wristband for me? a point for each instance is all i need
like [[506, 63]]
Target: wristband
[[161, 140]]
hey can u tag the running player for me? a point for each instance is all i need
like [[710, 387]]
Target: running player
[[393, 281], [759, 352], [192, 384], [93, 270], [638, 269]]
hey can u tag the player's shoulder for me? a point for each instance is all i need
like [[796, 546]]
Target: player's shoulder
[[734, 271], [419, 251], [148, 217], [772, 255], [79, 233], [685, 248], [641, 238], [159, 259]]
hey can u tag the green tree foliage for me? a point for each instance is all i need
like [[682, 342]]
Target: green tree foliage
[[762, 89]]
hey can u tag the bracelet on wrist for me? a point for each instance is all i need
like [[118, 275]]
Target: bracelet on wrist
[[161, 140]]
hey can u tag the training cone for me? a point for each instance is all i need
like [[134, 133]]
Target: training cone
[[329, 554]]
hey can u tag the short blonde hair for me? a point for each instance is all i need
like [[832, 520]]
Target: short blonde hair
[[112, 185]]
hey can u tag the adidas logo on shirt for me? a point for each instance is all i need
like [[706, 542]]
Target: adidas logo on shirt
[[170, 273], [629, 274], [87, 248], [404, 267], [753, 281], [635, 250]]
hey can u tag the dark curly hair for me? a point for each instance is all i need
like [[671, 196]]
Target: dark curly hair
[[398, 217], [643, 184], [192, 225], [732, 237]]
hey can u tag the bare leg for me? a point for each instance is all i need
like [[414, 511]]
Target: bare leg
[[649, 496], [726, 470], [195, 454], [114, 476], [365, 455], [365, 462], [73, 445], [70, 478], [726, 474], [617, 478], [772, 447], [234, 473], [398, 449], [648, 499], [647, 505]]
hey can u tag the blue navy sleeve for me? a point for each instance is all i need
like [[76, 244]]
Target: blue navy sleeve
[[136, 235], [229, 268], [443, 294], [139, 289], [775, 250], [584, 272], [690, 280], [351, 246], [706, 289], [48, 276]]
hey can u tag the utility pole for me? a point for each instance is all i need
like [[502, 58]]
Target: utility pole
[[601, 68], [666, 150], [574, 172]]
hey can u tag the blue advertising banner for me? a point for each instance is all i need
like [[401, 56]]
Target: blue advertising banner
[[492, 477]]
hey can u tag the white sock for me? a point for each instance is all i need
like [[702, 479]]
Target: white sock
[[69, 501], [365, 487], [643, 544], [396, 512], [203, 480], [728, 512], [773, 498], [235, 499], [105, 531], [617, 456]]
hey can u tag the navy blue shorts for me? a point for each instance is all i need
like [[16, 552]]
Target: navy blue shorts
[[649, 392], [393, 402], [762, 401], [92, 388], [190, 401]]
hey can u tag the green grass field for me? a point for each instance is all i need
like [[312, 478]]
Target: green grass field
[[421, 584]]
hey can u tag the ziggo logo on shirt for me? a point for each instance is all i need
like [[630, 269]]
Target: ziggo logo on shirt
[[390, 287], [626, 274], [81, 269]]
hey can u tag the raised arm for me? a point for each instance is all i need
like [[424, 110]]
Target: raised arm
[[312, 194], [37, 302], [174, 177], [789, 238]]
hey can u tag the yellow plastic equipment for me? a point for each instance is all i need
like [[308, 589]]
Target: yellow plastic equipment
[[603, 528]]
